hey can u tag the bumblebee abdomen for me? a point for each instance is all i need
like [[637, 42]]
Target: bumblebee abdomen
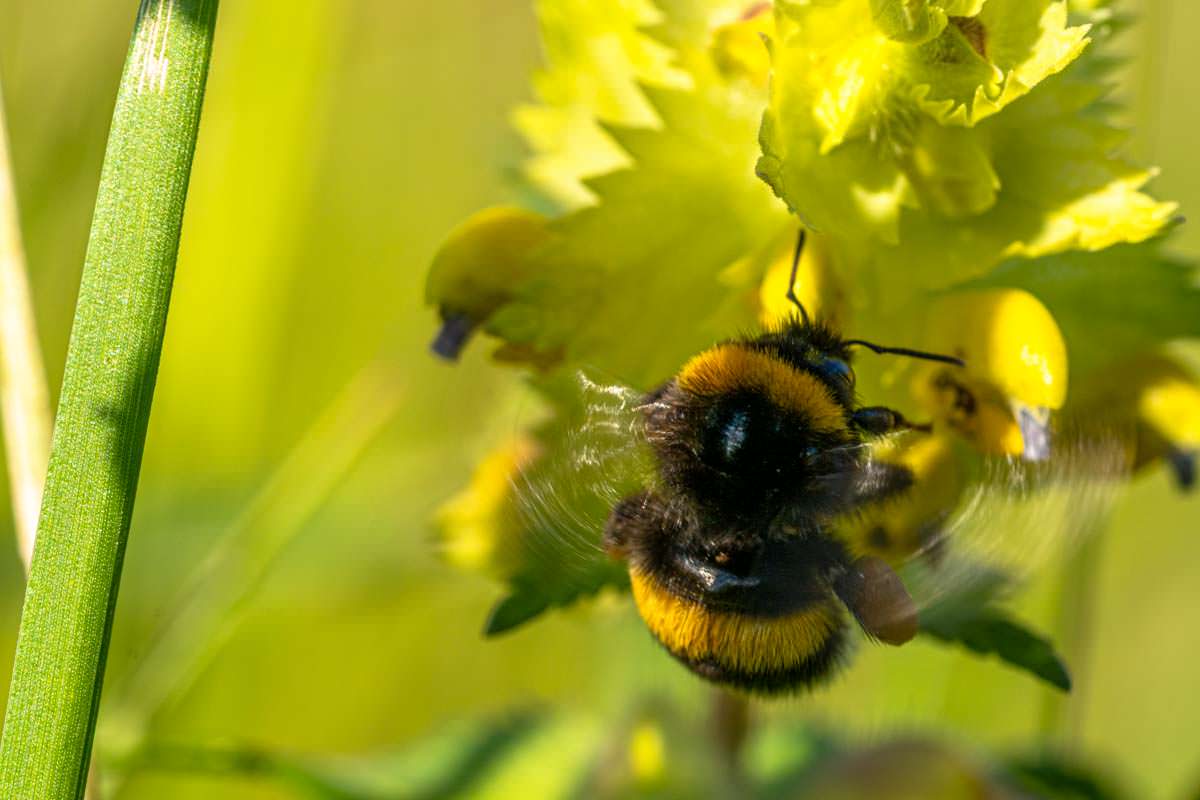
[[765, 654]]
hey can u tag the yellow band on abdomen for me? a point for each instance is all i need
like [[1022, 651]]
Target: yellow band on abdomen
[[742, 645]]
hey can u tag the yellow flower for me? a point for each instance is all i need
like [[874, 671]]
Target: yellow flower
[[1015, 373], [1163, 400], [647, 753], [816, 288], [477, 527], [739, 48], [475, 270], [898, 527]]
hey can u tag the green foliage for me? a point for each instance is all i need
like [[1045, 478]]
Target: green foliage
[[1061, 777], [929, 161], [564, 756], [924, 142], [969, 613], [463, 761], [989, 631], [598, 60], [667, 228], [104, 408]]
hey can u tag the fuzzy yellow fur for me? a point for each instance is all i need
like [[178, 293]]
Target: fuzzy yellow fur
[[746, 645], [733, 367]]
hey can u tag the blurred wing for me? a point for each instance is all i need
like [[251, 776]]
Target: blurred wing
[[961, 549], [1018, 516], [592, 455]]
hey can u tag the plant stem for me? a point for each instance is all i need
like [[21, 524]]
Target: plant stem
[[1062, 716], [23, 395], [729, 718], [108, 385]]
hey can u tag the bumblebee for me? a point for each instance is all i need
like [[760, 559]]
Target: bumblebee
[[760, 444]]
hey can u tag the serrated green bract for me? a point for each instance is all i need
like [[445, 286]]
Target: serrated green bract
[[929, 162], [858, 69], [598, 58], [643, 266]]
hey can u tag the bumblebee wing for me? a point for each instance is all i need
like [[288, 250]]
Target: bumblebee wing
[[1017, 516], [925, 504], [592, 454]]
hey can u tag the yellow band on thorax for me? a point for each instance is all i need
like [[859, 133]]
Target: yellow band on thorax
[[733, 367]]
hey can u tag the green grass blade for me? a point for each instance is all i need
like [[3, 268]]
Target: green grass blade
[[108, 385], [23, 395]]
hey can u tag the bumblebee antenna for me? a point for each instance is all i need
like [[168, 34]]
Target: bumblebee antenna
[[791, 288], [904, 351]]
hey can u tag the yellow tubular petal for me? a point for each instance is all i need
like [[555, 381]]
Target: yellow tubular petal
[[739, 49], [1008, 339], [815, 286], [1015, 373], [482, 259], [1170, 406]]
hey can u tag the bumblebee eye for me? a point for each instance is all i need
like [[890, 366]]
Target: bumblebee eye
[[837, 369], [733, 434]]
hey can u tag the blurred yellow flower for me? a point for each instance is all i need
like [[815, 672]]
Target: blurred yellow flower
[[477, 528], [1015, 373]]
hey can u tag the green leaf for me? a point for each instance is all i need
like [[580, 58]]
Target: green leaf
[[644, 265], [969, 618], [1113, 304], [523, 605], [1058, 777], [598, 59]]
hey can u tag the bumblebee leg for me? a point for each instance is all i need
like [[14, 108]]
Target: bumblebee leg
[[636, 518], [877, 598], [879, 420], [878, 481]]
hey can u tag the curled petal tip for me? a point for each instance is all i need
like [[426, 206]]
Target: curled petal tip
[[453, 336]]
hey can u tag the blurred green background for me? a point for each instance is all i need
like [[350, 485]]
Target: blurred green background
[[302, 432]]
